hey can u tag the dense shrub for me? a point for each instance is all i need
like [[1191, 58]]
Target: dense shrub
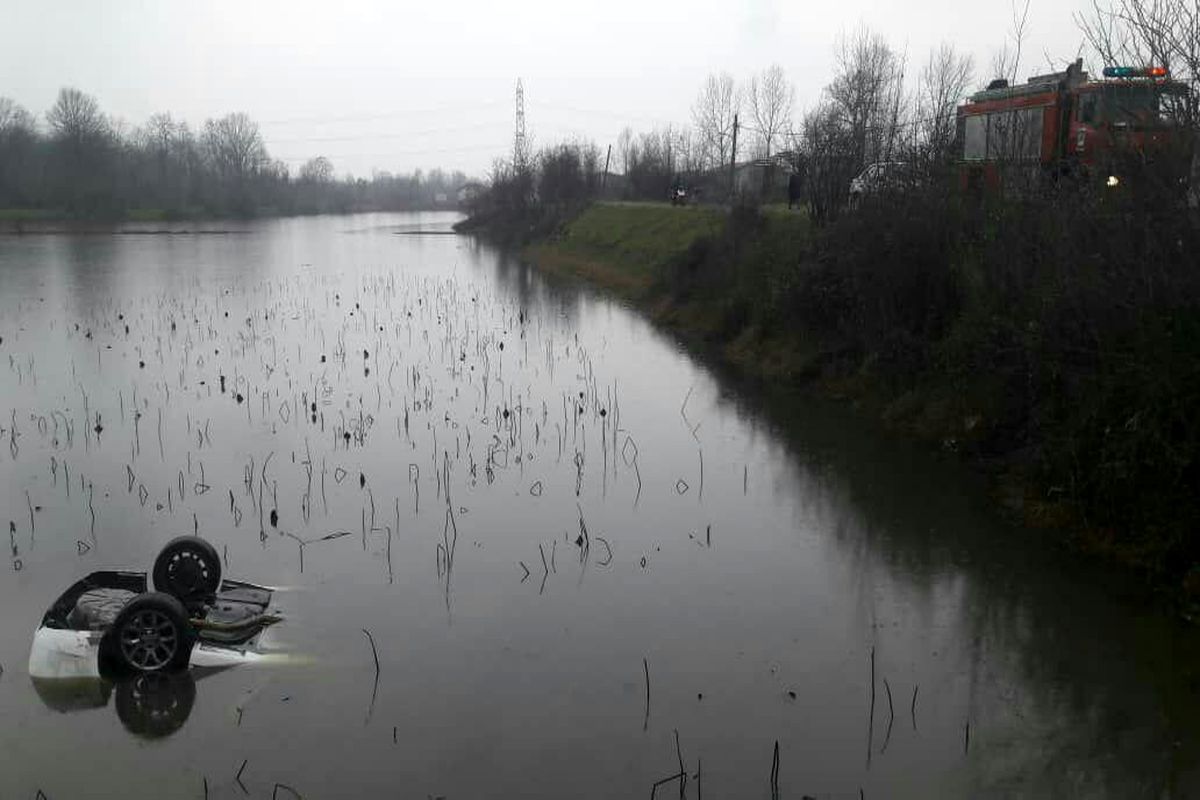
[[1070, 317]]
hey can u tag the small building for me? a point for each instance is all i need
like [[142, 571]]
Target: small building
[[764, 178], [469, 192]]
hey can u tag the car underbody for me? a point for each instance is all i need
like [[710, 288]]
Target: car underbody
[[184, 614]]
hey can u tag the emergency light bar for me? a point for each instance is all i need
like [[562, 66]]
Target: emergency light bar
[[1135, 72]]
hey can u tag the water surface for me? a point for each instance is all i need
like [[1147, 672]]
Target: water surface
[[754, 554]]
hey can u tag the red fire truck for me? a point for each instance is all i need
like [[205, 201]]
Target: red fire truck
[[1066, 125]]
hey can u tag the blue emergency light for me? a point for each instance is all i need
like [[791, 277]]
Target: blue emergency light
[[1135, 72]]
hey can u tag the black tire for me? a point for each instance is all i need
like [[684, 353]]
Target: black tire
[[153, 704], [188, 568], [152, 634]]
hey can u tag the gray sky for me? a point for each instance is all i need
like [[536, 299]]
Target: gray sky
[[401, 85]]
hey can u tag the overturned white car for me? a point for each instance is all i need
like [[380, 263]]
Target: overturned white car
[[130, 623]]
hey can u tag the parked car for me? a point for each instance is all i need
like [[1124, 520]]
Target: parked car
[[880, 177], [180, 614]]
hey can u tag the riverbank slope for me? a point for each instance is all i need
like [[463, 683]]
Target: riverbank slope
[[1041, 377]]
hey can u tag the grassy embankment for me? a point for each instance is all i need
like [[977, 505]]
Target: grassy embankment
[[625, 247], [634, 249], [1057, 349]]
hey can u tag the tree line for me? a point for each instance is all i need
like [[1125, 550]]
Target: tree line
[[79, 162], [877, 107], [864, 115]]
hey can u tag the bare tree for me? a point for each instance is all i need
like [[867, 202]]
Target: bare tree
[[84, 174], [167, 150], [944, 81], [158, 134], [75, 117], [827, 159], [625, 148], [277, 170], [1007, 60], [685, 151], [1151, 33], [866, 96], [18, 141], [167, 140], [771, 98], [317, 170], [234, 146], [650, 169], [14, 117], [713, 114]]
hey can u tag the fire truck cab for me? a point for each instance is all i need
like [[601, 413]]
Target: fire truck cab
[[1065, 125]]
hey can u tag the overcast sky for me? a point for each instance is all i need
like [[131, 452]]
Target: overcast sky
[[398, 85]]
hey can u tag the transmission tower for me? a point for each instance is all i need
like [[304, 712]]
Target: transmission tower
[[520, 144]]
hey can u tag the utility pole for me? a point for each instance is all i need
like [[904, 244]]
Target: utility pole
[[733, 157], [604, 180]]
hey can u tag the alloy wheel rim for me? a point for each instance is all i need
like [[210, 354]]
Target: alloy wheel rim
[[149, 640]]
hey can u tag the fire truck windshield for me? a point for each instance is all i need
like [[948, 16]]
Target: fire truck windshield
[[1130, 104]]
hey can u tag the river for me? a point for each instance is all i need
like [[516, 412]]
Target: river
[[542, 502]]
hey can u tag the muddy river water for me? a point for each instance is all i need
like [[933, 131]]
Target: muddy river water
[[534, 502]]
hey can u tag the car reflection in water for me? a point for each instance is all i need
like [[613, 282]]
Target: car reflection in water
[[150, 705]]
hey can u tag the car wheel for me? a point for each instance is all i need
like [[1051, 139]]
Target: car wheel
[[152, 634], [188, 568]]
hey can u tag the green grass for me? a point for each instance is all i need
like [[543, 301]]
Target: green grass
[[780, 211], [147, 214], [27, 214], [17, 215], [630, 247], [639, 239]]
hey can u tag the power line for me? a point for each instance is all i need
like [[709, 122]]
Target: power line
[[603, 113], [389, 135], [367, 117], [394, 153]]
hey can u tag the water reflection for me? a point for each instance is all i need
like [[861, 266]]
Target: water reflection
[[149, 705], [1056, 661], [1059, 663]]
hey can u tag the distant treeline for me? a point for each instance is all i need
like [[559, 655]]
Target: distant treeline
[[78, 162]]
